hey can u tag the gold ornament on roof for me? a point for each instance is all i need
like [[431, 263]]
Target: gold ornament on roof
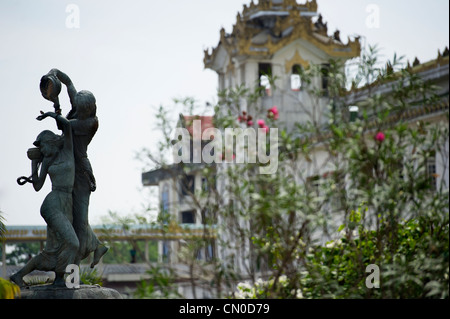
[[296, 60], [281, 23]]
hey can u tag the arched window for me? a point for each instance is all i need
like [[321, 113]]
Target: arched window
[[296, 80], [265, 73], [353, 109], [325, 70]]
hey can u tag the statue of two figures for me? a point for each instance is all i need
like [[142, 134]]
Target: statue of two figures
[[64, 159]]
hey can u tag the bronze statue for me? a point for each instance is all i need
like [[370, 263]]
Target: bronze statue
[[70, 239]]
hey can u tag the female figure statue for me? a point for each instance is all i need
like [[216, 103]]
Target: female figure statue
[[84, 123], [58, 162]]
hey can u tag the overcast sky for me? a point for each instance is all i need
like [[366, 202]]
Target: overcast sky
[[137, 55]]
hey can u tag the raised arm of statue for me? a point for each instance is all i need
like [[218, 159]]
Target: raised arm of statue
[[64, 78]]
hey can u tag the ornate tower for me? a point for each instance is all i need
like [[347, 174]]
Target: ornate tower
[[275, 38]]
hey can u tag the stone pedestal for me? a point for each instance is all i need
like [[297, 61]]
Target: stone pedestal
[[83, 292]]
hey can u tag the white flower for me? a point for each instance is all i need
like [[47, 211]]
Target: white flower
[[245, 291], [333, 243], [244, 286], [239, 295], [330, 244], [299, 294], [283, 280], [260, 283]]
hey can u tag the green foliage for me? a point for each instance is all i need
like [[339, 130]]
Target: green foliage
[[159, 285], [417, 267], [262, 289], [90, 277]]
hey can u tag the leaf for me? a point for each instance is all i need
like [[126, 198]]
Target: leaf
[[434, 287]]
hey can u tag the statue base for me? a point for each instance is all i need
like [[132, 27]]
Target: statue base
[[83, 292]]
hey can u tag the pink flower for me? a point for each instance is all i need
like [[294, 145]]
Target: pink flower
[[261, 123], [380, 137], [239, 119], [250, 123], [266, 128], [273, 112]]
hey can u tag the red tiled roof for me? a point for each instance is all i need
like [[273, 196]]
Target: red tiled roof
[[206, 122]]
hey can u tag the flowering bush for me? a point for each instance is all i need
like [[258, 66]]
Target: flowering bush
[[245, 118], [262, 289], [272, 113], [412, 269]]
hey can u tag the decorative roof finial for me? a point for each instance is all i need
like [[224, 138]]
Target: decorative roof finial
[[408, 65], [337, 35], [312, 6], [321, 27]]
